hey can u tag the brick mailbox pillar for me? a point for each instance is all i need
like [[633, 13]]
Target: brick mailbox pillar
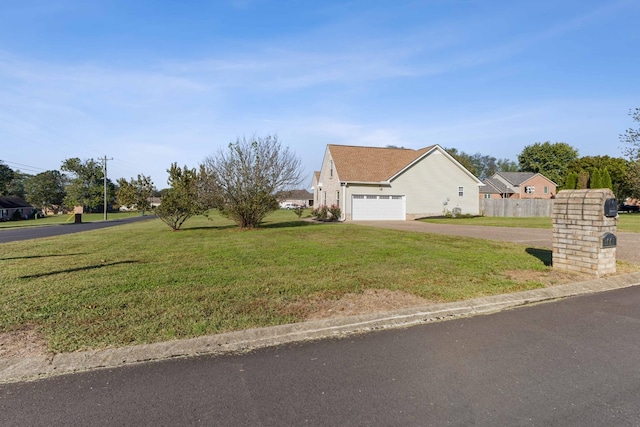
[[584, 227]]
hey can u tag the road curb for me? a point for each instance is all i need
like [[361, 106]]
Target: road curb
[[31, 368]]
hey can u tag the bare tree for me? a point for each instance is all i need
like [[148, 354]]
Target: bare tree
[[243, 180]]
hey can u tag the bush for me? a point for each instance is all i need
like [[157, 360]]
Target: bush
[[335, 212], [321, 213], [298, 210]]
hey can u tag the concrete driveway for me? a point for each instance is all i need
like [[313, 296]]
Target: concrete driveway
[[628, 248]]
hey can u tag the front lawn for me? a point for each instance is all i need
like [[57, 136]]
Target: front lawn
[[626, 222], [142, 283]]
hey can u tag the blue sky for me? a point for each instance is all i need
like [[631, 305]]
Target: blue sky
[[149, 83]]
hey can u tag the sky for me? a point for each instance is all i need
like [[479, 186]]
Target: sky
[[146, 83]]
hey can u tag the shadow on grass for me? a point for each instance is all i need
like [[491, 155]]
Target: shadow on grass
[[209, 227], [73, 270], [544, 255], [288, 224], [36, 256]]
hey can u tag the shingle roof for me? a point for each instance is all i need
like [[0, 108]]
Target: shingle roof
[[11, 202], [494, 186], [516, 178], [371, 164]]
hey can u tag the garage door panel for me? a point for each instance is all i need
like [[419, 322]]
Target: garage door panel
[[377, 207]]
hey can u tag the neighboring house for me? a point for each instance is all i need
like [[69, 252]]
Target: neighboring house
[[371, 183], [296, 197], [12, 206], [518, 185]]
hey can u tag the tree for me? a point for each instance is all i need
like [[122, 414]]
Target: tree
[[506, 165], [548, 159], [242, 181], [595, 180], [480, 165], [6, 176], [617, 167], [181, 201], [135, 193], [631, 137], [571, 182], [86, 188], [47, 190], [606, 179]]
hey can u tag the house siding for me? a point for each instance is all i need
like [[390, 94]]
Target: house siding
[[440, 178], [539, 182], [328, 184]]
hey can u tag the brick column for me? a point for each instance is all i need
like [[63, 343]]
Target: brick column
[[583, 232]]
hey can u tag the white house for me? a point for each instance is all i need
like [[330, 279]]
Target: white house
[[371, 183]]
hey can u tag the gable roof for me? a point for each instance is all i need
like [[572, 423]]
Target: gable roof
[[296, 195], [494, 186], [372, 164], [516, 178], [12, 202]]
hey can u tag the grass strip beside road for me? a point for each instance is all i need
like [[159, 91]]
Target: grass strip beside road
[[142, 283], [626, 222], [66, 218]]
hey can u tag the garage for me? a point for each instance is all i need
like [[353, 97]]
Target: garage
[[372, 207]]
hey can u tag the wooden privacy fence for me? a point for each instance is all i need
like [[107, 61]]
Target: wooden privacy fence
[[516, 207]]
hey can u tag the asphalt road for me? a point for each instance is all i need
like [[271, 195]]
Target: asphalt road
[[574, 362], [27, 233]]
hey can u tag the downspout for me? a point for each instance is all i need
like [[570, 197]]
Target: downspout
[[344, 201]]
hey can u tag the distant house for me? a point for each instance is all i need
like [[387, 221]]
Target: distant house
[[296, 197], [375, 183], [13, 207], [518, 185]]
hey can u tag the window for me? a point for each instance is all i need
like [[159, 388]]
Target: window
[[529, 189], [338, 198], [396, 197], [371, 197], [330, 168], [546, 190], [460, 191], [487, 196], [358, 196], [324, 198]]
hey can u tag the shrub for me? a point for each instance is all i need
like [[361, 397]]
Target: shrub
[[335, 212], [298, 210], [321, 213]]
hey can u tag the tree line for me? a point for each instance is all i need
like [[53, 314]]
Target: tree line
[[243, 181]]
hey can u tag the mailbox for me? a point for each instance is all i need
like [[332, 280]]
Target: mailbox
[[611, 208], [609, 240]]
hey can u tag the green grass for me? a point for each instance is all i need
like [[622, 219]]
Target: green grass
[[142, 283], [626, 222], [66, 218]]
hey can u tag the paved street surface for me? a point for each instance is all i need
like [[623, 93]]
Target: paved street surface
[[574, 362], [26, 233]]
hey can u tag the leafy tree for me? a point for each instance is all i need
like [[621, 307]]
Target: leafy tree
[[583, 180], [6, 176], [571, 182], [135, 193], [480, 165], [181, 201], [17, 185], [47, 190], [618, 169], [606, 179], [86, 188], [506, 165], [242, 181], [595, 180], [548, 159]]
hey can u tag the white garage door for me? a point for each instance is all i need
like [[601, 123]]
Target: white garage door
[[366, 207]]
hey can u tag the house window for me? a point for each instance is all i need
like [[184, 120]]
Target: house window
[[487, 196], [546, 190], [338, 198], [330, 168], [529, 189], [460, 191], [324, 198]]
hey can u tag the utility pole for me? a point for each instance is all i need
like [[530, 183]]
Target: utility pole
[[104, 172]]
